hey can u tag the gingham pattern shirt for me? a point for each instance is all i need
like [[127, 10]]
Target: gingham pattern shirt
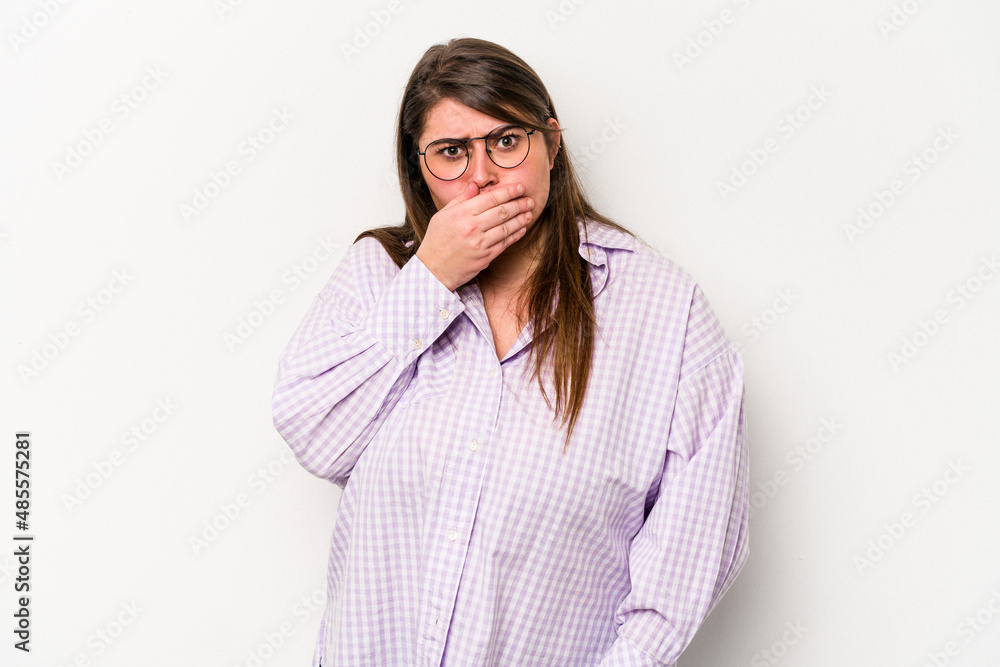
[[464, 536]]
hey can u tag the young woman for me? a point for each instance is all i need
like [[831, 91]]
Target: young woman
[[536, 420]]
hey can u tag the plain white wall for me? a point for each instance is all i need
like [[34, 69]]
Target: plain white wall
[[740, 137]]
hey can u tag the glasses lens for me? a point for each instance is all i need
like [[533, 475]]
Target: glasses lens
[[508, 146], [446, 159]]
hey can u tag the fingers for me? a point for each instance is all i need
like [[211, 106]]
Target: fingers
[[494, 198], [496, 206], [507, 231], [476, 228], [507, 221], [470, 191], [501, 214], [508, 210]]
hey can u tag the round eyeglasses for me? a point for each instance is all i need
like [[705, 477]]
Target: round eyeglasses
[[507, 146]]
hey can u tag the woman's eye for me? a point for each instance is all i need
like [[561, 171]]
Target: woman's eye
[[507, 141], [451, 151]]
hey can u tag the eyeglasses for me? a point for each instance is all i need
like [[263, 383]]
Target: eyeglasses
[[507, 146]]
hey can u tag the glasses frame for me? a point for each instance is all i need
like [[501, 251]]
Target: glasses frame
[[489, 153]]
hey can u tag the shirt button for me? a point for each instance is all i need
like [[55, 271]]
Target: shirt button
[[492, 372], [452, 534], [443, 312], [474, 445], [416, 343]]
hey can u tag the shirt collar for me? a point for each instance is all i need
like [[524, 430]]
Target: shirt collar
[[596, 240]]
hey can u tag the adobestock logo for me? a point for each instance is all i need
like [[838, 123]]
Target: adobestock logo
[[121, 109], [104, 637], [88, 310], [137, 434], [596, 146], [260, 481], [760, 323], [699, 43], [773, 654], [264, 309], [884, 199], [219, 180], [899, 17], [302, 611], [924, 500], [562, 12], [971, 626], [928, 328], [364, 34], [32, 25], [796, 459], [786, 127]]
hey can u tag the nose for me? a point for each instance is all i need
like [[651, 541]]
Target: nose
[[482, 169]]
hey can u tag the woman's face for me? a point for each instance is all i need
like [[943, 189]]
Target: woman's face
[[449, 119]]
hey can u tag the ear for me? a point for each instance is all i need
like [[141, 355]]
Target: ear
[[554, 141]]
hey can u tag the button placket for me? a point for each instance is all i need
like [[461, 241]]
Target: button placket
[[459, 488]]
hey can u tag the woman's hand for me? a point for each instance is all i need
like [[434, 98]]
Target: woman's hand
[[471, 230]]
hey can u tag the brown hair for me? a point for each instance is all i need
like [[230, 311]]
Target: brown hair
[[490, 79]]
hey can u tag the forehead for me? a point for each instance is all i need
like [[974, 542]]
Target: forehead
[[453, 120]]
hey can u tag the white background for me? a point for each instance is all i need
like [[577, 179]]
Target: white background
[[660, 104]]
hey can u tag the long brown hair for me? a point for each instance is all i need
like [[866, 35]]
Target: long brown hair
[[490, 79]]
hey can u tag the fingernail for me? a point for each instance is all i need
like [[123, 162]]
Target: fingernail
[[520, 189]]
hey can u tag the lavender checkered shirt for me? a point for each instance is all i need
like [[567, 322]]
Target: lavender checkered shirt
[[464, 536]]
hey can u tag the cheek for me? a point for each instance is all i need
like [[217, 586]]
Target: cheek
[[441, 195], [441, 191], [539, 188]]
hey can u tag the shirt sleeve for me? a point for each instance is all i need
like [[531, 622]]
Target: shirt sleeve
[[353, 355], [695, 539]]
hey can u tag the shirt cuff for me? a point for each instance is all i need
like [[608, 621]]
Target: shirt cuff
[[413, 311]]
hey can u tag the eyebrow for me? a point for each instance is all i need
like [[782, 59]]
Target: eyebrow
[[467, 137]]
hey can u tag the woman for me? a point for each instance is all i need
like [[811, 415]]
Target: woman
[[536, 420]]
